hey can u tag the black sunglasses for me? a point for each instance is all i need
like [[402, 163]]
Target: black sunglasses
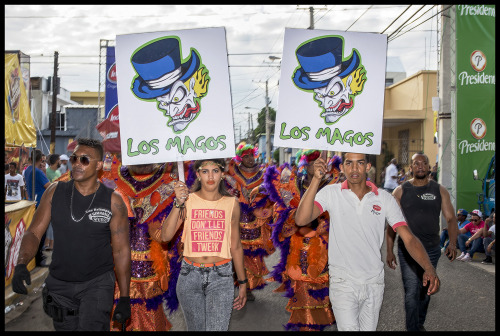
[[474, 220], [84, 160]]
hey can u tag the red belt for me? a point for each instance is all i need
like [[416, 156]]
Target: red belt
[[222, 262]]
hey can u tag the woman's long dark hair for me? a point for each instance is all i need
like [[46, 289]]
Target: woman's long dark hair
[[222, 185]]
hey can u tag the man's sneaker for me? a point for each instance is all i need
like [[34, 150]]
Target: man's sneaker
[[461, 256], [466, 258], [487, 261]]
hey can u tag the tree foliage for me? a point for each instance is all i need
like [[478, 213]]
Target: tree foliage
[[261, 121]]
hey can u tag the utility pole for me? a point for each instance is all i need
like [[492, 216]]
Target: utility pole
[[311, 15], [447, 107], [268, 129], [55, 88], [251, 126], [249, 129]]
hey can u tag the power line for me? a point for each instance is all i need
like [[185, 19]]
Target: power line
[[406, 25], [328, 11], [61, 63], [396, 18], [359, 17], [238, 54], [122, 16], [421, 23], [400, 27]]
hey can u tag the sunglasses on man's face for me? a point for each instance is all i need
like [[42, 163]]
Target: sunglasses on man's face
[[84, 160], [474, 220]]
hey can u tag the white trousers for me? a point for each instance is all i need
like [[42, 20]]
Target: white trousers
[[356, 306]]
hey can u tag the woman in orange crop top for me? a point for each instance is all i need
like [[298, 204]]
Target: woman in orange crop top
[[211, 237]]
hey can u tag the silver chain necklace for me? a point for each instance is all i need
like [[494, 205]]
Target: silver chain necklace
[[71, 205]]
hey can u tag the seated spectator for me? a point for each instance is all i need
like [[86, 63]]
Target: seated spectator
[[475, 228], [461, 221], [489, 238]]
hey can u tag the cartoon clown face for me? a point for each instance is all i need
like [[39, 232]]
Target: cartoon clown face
[[179, 104], [333, 79], [176, 84], [334, 99]]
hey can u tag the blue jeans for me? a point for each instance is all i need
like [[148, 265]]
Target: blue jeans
[[416, 298], [443, 239], [206, 296], [50, 232], [475, 246], [487, 242]]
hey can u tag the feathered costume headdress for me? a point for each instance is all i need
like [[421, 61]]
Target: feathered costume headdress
[[245, 149], [303, 157]]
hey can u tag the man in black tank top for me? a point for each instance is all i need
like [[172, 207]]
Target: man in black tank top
[[91, 244], [422, 200]]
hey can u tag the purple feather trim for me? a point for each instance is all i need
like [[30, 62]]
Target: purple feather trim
[[283, 246], [170, 295], [260, 286], [260, 252], [270, 175], [337, 160], [191, 176], [245, 208], [154, 302], [318, 294], [289, 293], [261, 203], [285, 165], [278, 226], [297, 326], [151, 304]]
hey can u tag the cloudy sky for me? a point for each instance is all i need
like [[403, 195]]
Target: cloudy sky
[[253, 33]]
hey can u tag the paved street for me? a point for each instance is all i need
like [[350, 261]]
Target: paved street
[[465, 302]]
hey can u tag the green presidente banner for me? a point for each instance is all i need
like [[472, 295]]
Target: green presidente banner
[[475, 103]]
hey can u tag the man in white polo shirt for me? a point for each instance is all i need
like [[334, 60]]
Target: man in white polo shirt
[[358, 211]]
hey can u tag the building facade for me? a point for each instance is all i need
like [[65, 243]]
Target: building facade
[[409, 123]]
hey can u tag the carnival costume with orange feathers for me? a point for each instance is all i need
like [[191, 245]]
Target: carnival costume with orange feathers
[[303, 267], [256, 215]]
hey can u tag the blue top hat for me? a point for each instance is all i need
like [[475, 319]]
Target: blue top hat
[[321, 60], [158, 65]]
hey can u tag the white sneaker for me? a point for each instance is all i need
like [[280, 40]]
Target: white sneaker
[[461, 256], [466, 258]]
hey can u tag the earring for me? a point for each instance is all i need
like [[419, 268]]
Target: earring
[[199, 179]]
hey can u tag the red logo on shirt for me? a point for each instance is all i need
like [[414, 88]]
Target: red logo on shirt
[[377, 208]]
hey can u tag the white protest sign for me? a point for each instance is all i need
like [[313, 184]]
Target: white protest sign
[[332, 89], [174, 96]]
